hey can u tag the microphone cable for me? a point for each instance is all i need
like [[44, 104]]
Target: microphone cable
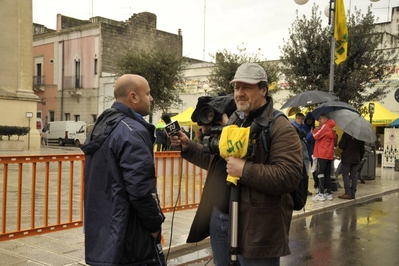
[[175, 205]]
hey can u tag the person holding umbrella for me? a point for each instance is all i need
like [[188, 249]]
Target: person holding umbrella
[[324, 152], [352, 153]]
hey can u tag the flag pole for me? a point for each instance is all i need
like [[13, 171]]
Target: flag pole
[[331, 21]]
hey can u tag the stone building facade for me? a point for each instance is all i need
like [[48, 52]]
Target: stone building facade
[[83, 67]]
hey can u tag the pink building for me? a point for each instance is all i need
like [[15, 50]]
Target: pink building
[[75, 65]]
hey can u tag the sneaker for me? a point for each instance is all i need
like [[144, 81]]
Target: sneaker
[[316, 190], [328, 196], [318, 197]]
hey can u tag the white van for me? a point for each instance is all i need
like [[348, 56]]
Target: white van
[[66, 132]]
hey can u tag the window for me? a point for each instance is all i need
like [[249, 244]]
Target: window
[[51, 114], [94, 118], [77, 74], [39, 74], [95, 66], [77, 118], [38, 78], [67, 116], [39, 114]]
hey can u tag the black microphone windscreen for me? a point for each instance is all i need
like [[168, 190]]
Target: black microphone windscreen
[[166, 119]]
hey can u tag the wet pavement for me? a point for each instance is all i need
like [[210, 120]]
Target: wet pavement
[[320, 245], [362, 234]]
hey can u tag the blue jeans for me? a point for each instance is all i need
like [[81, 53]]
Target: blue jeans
[[218, 231]]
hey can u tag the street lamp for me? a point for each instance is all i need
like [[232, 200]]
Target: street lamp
[[389, 7], [29, 115], [371, 112], [301, 2], [330, 13], [205, 87]]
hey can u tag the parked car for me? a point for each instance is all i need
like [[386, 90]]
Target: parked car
[[66, 132]]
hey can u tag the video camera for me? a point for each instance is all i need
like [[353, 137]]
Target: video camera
[[211, 142], [209, 111]]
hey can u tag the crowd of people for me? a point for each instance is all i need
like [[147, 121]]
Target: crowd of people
[[123, 218], [321, 148]]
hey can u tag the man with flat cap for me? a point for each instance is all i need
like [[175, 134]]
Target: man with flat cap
[[265, 180]]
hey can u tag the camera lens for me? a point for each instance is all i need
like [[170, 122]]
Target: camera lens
[[206, 115]]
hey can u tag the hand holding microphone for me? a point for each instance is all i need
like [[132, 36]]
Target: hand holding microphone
[[173, 130]]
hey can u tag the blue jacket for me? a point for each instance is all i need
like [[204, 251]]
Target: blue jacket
[[121, 206]]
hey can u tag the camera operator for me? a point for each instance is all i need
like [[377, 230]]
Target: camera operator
[[212, 214], [266, 180], [265, 206]]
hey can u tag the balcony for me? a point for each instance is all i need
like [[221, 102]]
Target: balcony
[[38, 83], [73, 82]]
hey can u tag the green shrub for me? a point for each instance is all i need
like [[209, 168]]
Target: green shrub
[[13, 130]]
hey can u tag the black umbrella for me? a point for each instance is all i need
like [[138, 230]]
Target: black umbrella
[[309, 98], [331, 106]]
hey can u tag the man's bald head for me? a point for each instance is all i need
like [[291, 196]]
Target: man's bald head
[[125, 84], [134, 91]]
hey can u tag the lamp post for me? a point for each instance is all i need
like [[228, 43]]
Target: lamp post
[[371, 112], [205, 87], [330, 13], [29, 115]]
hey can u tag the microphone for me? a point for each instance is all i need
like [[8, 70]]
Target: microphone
[[171, 128]]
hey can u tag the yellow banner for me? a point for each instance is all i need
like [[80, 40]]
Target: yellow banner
[[340, 32]]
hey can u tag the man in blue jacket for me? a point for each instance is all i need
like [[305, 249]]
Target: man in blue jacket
[[122, 215]]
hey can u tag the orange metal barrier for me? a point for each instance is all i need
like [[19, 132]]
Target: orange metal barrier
[[44, 193]]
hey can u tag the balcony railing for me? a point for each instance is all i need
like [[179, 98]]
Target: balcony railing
[[73, 82], [38, 81]]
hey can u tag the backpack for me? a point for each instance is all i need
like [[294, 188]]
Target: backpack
[[300, 194]]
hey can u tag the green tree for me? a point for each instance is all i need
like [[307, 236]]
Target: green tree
[[306, 59], [163, 71], [228, 62]]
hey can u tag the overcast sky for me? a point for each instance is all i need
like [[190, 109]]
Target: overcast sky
[[225, 24]]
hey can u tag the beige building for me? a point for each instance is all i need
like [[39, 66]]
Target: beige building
[[18, 103]]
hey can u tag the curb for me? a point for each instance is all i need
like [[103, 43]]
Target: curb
[[343, 203], [183, 249]]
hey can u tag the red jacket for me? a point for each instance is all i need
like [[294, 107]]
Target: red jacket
[[324, 140]]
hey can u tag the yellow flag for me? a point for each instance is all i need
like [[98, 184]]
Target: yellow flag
[[340, 32]]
